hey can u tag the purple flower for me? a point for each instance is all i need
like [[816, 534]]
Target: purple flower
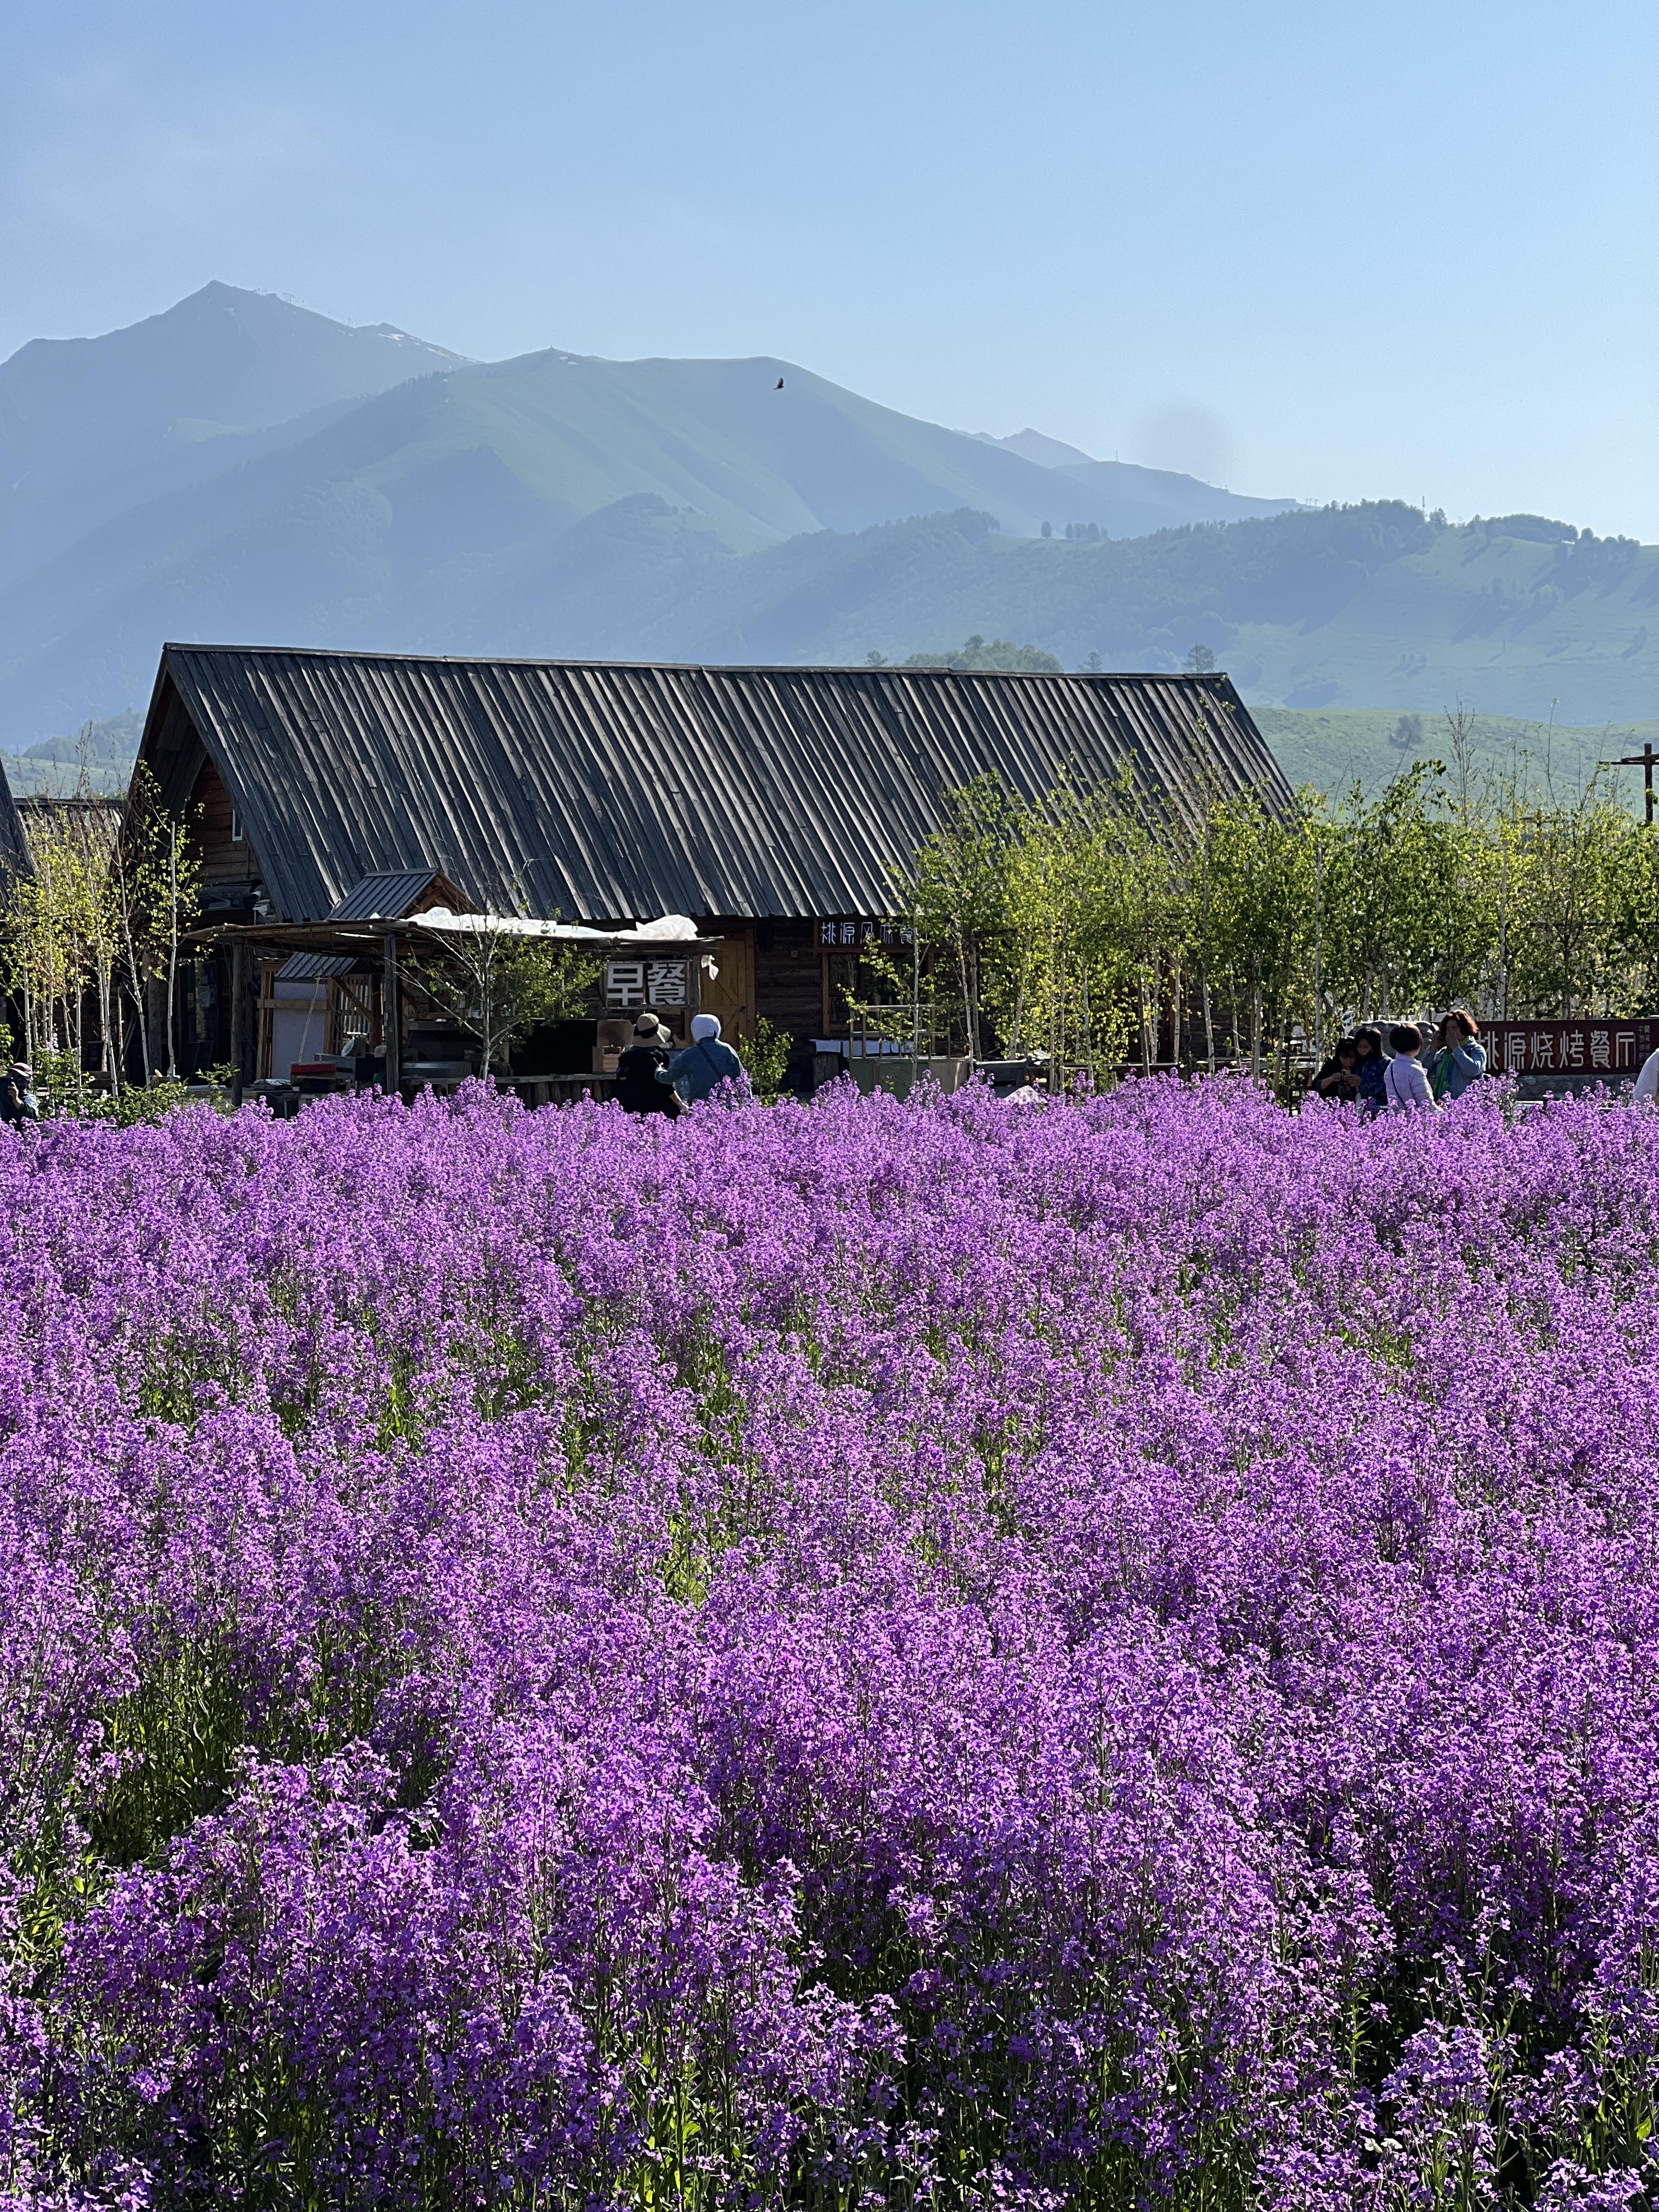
[[926, 1653]]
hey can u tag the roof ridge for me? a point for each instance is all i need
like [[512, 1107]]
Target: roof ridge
[[701, 668]]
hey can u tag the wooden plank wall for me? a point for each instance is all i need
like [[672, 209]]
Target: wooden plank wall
[[223, 859], [788, 983]]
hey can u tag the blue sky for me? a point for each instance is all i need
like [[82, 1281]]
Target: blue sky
[[1327, 252]]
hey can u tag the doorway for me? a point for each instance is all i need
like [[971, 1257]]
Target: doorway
[[731, 994]]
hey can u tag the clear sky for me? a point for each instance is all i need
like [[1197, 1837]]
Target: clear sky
[[1327, 250]]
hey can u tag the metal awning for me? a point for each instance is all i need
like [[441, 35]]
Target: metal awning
[[314, 967]]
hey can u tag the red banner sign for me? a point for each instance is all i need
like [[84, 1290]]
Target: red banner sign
[[1612, 1050]]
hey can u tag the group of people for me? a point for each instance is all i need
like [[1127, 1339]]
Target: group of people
[[1403, 1081], [652, 1077]]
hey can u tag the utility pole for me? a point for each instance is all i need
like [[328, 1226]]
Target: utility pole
[[1646, 760]]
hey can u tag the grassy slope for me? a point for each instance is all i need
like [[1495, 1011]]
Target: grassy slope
[[425, 536], [1330, 747], [1508, 625], [1369, 607]]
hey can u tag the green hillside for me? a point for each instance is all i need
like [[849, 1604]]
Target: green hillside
[[1368, 606], [1374, 606], [1333, 748]]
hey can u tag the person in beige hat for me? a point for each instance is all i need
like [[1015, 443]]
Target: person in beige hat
[[638, 1090]]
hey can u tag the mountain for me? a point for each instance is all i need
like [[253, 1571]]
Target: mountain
[[1143, 500], [90, 427], [693, 509], [1375, 606], [229, 463], [1033, 446], [1159, 498]]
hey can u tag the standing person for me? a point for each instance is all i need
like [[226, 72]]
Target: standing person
[[1404, 1078], [705, 1064], [1372, 1070], [1338, 1078], [18, 1102], [638, 1090], [1459, 1057]]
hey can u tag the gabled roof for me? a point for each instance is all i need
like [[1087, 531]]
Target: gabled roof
[[396, 894], [92, 825], [316, 967], [599, 791]]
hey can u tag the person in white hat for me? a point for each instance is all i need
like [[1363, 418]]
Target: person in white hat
[[706, 1063]]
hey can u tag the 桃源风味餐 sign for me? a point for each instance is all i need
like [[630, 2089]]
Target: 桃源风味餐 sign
[[850, 934]]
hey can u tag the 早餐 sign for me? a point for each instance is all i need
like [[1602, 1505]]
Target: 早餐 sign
[[630, 983]]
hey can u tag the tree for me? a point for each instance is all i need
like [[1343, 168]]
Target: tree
[[958, 898], [495, 978], [1073, 927], [1407, 733], [154, 886], [1048, 529], [1200, 660], [1001, 654]]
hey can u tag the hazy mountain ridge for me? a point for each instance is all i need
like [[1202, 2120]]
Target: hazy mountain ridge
[[91, 427], [560, 504], [1036, 445], [242, 465]]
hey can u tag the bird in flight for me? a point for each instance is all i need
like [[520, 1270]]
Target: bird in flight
[[778, 386]]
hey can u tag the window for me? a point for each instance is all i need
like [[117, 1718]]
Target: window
[[236, 837]]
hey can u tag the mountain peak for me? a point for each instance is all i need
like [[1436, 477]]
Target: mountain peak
[[235, 360], [1034, 445]]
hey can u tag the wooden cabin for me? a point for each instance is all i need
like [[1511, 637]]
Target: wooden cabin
[[773, 806]]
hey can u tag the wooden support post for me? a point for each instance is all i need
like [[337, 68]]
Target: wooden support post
[[392, 1016], [240, 967]]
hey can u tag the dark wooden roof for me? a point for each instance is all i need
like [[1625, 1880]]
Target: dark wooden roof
[[93, 823], [598, 791], [14, 844]]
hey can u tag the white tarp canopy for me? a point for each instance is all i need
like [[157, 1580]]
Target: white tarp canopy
[[667, 929]]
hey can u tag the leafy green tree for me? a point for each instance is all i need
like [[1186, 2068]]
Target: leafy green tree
[[999, 654], [495, 983]]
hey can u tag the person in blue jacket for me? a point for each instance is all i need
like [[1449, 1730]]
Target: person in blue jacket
[[1459, 1058], [705, 1064]]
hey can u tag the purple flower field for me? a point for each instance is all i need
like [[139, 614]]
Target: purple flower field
[[842, 1655]]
